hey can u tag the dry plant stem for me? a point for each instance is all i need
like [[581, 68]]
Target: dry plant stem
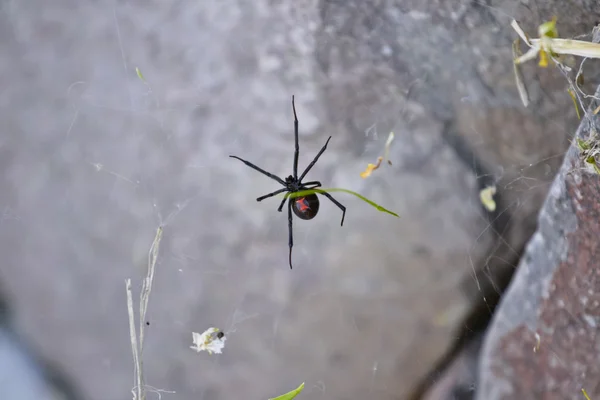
[[595, 39], [137, 347], [137, 391], [565, 73], [522, 89], [147, 283], [555, 45], [579, 48], [581, 92]]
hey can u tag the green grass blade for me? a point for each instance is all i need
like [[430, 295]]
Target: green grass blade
[[290, 395], [585, 394], [139, 74], [363, 198]]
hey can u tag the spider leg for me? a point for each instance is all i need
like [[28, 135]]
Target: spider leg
[[337, 203], [262, 171], [314, 160], [291, 236], [261, 198], [313, 184], [297, 151], [283, 202]]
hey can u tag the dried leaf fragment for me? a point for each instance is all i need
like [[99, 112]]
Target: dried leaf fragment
[[370, 168], [486, 196]]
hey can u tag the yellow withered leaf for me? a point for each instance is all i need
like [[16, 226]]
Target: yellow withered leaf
[[371, 168], [486, 196]]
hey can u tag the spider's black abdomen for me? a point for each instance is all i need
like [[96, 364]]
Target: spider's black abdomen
[[305, 207]]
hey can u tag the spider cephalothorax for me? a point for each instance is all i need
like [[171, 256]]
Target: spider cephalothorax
[[305, 207]]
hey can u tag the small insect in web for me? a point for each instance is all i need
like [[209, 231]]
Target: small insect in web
[[305, 207], [211, 340]]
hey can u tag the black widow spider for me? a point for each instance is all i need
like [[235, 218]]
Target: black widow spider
[[305, 207]]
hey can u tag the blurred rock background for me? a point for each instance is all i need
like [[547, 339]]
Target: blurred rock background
[[94, 159]]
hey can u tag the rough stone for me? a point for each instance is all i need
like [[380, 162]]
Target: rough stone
[[543, 339]]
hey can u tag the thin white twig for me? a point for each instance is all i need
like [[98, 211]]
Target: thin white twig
[[515, 25], [519, 75], [137, 346], [138, 391], [147, 283]]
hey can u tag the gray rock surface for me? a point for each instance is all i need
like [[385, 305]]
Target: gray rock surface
[[93, 160], [543, 343]]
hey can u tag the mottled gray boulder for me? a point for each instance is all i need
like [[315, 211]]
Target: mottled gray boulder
[[93, 160], [543, 342]]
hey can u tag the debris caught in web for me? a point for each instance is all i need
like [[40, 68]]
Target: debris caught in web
[[537, 342], [302, 193], [585, 394], [211, 340], [139, 74], [486, 196], [373, 167]]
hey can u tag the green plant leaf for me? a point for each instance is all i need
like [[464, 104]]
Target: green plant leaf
[[574, 102], [139, 74], [582, 144], [592, 161], [290, 395], [585, 394], [548, 29], [363, 198]]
